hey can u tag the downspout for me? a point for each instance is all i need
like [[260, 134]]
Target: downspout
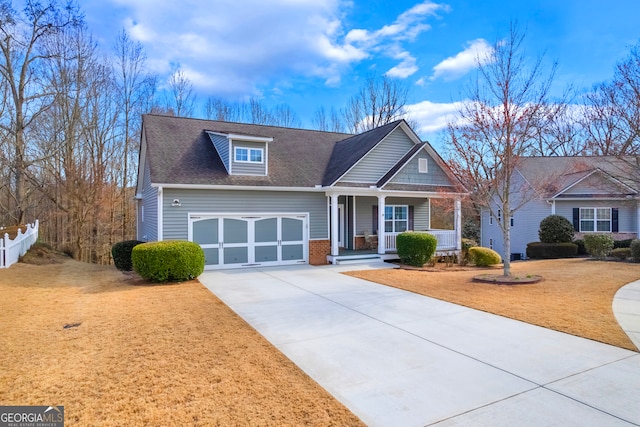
[[160, 216]]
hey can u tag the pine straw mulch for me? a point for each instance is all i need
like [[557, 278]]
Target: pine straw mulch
[[116, 351], [575, 295]]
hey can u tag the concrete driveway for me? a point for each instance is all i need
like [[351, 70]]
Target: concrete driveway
[[395, 358]]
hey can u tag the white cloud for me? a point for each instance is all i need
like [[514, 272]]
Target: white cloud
[[460, 64], [405, 68], [432, 117], [233, 47]]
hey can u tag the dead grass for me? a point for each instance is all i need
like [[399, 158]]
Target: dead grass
[[575, 295], [135, 354]]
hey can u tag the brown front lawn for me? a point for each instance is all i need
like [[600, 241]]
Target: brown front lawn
[[575, 295], [117, 352]]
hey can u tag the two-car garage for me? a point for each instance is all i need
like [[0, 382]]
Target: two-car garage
[[250, 240]]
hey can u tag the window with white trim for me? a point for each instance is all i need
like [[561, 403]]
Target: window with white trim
[[396, 218], [595, 219], [248, 155]]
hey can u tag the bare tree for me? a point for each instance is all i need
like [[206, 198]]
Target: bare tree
[[182, 99], [507, 103], [132, 86], [379, 101], [284, 116], [222, 109], [331, 122], [21, 38], [611, 113]]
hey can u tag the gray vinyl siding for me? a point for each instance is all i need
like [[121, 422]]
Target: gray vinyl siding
[[410, 174], [526, 223], [375, 164], [627, 216], [148, 229], [595, 184], [243, 168], [221, 145], [364, 212], [221, 201]]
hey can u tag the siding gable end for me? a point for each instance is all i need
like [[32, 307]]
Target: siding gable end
[[409, 173], [221, 144], [376, 163], [596, 183]]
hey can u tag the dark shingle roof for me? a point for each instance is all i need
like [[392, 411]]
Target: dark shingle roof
[[551, 175], [179, 151], [350, 150]]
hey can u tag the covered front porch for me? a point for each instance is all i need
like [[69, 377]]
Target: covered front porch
[[364, 226]]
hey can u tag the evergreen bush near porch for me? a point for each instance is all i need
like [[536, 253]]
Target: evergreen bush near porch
[[416, 248]]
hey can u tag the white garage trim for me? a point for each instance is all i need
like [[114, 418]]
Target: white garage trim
[[239, 240]]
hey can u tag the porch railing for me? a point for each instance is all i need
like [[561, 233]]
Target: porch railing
[[446, 240]]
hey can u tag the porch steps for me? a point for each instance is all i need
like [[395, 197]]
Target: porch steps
[[357, 259], [360, 258]]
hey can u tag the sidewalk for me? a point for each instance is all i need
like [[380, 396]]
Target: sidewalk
[[402, 359]]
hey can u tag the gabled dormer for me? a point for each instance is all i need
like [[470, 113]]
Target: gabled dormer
[[242, 154]]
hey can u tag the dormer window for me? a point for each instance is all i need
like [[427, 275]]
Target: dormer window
[[249, 155]]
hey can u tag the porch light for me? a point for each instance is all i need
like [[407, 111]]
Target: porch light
[[176, 202]]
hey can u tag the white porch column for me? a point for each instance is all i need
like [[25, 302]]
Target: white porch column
[[382, 245], [458, 223], [553, 207], [334, 225]]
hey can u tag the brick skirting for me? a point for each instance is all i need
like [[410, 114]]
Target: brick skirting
[[318, 251]]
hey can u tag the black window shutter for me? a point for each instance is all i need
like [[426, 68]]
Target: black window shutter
[[576, 219], [614, 220], [374, 225], [411, 217]]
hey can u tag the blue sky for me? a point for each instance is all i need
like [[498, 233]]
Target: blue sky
[[311, 53]]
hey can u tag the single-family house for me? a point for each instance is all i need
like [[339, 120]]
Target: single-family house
[[254, 195], [596, 194]]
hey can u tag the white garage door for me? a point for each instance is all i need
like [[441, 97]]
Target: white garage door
[[232, 241]]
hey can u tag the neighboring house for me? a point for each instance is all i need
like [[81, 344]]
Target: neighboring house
[[261, 195], [596, 194]]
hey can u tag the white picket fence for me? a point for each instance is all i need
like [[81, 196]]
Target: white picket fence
[[12, 250]]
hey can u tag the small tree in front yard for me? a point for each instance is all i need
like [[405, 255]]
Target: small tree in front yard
[[507, 108]]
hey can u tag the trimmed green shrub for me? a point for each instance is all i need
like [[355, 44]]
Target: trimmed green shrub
[[121, 253], [416, 248], [626, 243], [635, 249], [621, 253], [168, 261], [598, 245], [484, 257], [540, 250], [464, 253], [556, 229], [581, 249]]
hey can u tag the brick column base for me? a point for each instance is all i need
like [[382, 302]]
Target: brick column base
[[318, 251]]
